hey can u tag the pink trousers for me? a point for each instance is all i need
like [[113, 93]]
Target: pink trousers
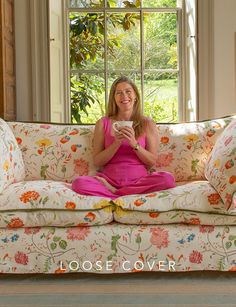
[[157, 181]]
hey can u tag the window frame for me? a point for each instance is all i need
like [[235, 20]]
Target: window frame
[[181, 54]]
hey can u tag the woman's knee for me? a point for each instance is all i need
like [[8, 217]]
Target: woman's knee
[[170, 180], [79, 183]]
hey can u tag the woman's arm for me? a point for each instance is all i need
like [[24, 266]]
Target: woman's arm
[[149, 155], [100, 155]]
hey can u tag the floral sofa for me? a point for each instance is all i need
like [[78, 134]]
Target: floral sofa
[[45, 227]]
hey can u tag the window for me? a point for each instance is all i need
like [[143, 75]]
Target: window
[[139, 39]]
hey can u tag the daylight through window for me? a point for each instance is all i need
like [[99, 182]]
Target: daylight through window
[[139, 39]]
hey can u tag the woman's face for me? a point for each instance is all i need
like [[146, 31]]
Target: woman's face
[[125, 96]]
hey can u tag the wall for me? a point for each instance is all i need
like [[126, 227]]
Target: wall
[[217, 58], [224, 57]]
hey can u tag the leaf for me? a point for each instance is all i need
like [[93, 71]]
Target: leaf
[[56, 239], [43, 171], [114, 241], [126, 25], [53, 245], [231, 237], [221, 264], [45, 200], [128, 4], [194, 166], [163, 194], [47, 264], [52, 230], [226, 229], [80, 28], [63, 244], [228, 244], [138, 239], [110, 257], [94, 28]]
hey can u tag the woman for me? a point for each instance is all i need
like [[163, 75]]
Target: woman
[[124, 156]]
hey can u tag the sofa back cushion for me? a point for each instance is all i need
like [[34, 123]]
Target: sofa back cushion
[[221, 167], [63, 152], [54, 151], [11, 162], [184, 148]]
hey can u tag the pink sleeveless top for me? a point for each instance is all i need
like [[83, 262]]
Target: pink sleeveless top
[[124, 167]]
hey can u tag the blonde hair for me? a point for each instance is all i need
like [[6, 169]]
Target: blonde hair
[[140, 121]]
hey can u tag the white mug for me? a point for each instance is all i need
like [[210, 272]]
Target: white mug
[[122, 123]]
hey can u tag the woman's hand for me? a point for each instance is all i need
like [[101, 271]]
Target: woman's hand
[[128, 133], [118, 137], [147, 155]]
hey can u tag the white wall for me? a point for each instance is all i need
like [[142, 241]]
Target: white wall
[[217, 58], [224, 57]]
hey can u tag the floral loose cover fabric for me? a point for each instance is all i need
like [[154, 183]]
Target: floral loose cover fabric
[[11, 163], [221, 166], [196, 203], [184, 148], [116, 248], [56, 152], [63, 152], [51, 203]]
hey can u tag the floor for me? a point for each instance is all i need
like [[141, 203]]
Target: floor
[[198, 289]]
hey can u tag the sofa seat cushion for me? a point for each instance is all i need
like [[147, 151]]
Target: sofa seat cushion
[[51, 203], [12, 167], [192, 203]]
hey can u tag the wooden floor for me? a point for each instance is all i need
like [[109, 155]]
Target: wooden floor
[[198, 289]]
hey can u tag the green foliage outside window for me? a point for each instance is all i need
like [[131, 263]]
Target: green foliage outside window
[[87, 56]]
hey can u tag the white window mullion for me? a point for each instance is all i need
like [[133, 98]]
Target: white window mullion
[[181, 63], [67, 62], [191, 61]]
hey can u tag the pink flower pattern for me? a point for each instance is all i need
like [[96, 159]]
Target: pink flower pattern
[[32, 230], [164, 160], [206, 228], [159, 237], [195, 257], [21, 258], [78, 233], [81, 167]]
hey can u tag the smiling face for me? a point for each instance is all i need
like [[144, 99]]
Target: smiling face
[[124, 100], [125, 96]]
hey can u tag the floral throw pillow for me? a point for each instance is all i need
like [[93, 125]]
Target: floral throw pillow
[[221, 167], [55, 152], [11, 162]]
